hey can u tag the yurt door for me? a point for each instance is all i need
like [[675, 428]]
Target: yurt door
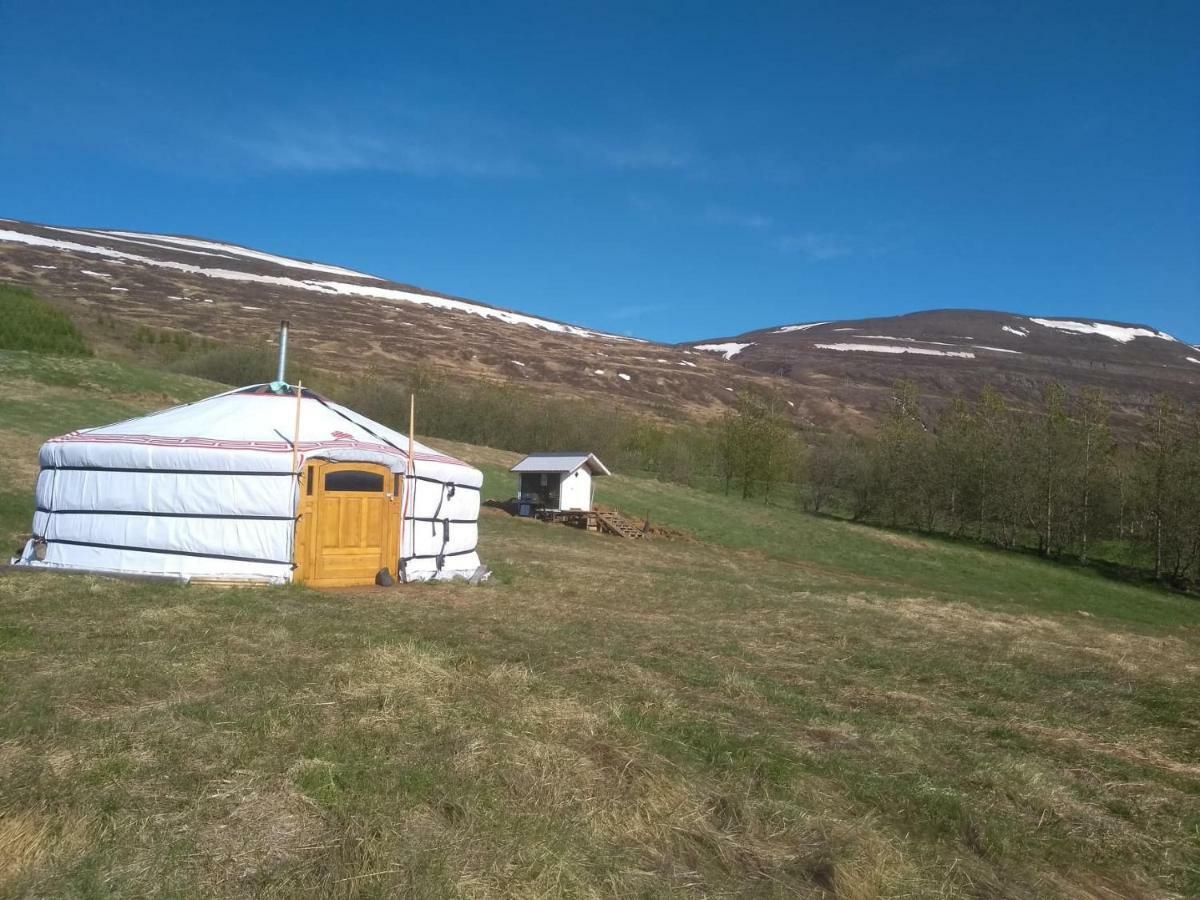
[[349, 526]]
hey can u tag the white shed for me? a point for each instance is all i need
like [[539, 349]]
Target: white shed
[[561, 481]]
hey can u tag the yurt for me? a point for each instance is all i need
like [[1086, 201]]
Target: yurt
[[269, 483]]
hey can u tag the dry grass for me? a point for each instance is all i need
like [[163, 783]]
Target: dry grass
[[578, 730], [31, 840], [777, 707]]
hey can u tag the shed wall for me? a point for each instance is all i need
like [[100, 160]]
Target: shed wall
[[576, 491]]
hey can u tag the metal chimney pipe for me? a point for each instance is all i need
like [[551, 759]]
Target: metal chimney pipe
[[283, 331]]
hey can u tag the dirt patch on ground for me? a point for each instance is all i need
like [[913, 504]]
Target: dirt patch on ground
[[1140, 755], [170, 614], [262, 827], [1167, 658], [894, 538]]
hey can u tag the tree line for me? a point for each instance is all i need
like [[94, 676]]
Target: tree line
[[1057, 479]]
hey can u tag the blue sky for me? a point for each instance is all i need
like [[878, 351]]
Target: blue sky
[[670, 170]]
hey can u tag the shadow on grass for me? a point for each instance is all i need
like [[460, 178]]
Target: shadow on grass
[[1112, 570]]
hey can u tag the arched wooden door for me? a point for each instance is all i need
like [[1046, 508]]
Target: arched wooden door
[[349, 524]]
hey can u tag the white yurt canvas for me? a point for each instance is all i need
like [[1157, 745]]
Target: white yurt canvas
[[264, 483]]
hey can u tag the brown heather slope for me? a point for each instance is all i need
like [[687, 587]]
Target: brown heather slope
[[956, 352], [113, 282], [230, 294]]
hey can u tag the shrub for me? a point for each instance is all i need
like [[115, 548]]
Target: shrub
[[507, 417], [29, 323], [238, 366]]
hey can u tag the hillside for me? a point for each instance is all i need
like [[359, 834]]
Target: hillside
[[769, 705], [344, 321], [957, 352], [116, 284]]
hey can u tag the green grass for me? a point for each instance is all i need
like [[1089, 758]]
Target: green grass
[[842, 554], [773, 705], [98, 377], [27, 323]]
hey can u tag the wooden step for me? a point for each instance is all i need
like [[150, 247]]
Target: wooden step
[[618, 525]]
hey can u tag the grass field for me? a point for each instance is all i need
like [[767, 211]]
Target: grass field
[[772, 705]]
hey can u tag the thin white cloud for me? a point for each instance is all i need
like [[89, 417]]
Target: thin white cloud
[[303, 147], [814, 246], [646, 153], [885, 155], [931, 59], [718, 215], [644, 202], [633, 311]]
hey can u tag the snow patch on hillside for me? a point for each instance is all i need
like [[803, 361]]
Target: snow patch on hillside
[[1019, 332], [1193, 359], [1121, 333], [886, 348], [996, 349], [729, 349], [212, 248], [908, 340], [391, 295], [787, 328]]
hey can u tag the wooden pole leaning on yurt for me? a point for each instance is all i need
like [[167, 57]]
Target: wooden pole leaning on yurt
[[409, 466], [296, 431]]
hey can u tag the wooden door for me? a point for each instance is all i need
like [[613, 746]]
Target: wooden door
[[349, 526]]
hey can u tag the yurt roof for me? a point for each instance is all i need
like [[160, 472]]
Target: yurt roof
[[259, 420]]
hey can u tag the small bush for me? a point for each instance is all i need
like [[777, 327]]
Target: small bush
[[238, 366], [516, 418], [478, 412], [29, 323]]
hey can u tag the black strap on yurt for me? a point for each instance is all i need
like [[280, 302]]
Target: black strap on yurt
[[248, 559], [447, 493], [153, 471], [453, 484], [358, 424], [449, 488], [433, 522], [162, 515], [442, 555]]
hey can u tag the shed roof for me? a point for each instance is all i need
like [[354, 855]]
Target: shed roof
[[561, 462]]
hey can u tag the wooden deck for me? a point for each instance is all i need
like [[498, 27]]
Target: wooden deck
[[604, 521]]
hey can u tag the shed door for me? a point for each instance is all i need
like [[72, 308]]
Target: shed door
[[353, 529], [540, 488]]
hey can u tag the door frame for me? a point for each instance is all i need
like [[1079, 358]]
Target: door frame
[[311, 488]]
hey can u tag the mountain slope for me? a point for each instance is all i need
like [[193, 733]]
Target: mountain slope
[[957, 352], [831, 374], [348, 321]]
